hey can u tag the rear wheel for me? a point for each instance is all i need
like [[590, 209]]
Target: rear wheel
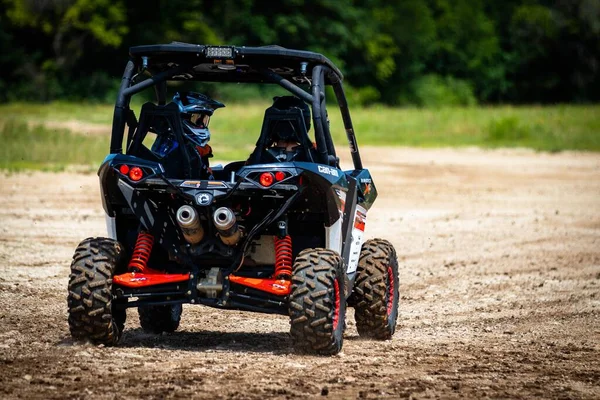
[[317, 302], [375, 295], [158, 319], [92, 315]]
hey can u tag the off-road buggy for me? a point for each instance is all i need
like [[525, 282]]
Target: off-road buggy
[[272, 234]]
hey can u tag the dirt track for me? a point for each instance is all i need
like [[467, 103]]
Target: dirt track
[[500, 293]]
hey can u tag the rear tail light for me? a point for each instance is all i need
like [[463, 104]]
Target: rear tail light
[[124, 169], [266, 179], [279, 176], [136, 173]]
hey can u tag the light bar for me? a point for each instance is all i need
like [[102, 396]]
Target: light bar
[[218, 52]]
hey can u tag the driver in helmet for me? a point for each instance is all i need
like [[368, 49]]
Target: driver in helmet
[[196, 110]]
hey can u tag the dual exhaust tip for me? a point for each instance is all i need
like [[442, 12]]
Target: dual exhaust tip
[[223, 219]]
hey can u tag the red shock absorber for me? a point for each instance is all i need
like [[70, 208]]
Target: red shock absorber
[[283, 257], [141, 252]]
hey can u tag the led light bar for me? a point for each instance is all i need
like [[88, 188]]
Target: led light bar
[[221, 52]]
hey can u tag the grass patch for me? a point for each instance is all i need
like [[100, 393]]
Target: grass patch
[[29, 144], [37, 147], [58, 111], [540, 128]]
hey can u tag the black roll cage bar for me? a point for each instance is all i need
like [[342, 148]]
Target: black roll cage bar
[[316, 99]]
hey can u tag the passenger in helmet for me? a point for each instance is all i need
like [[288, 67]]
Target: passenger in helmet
[[196, 110]]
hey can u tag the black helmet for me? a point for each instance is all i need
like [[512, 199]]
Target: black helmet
[[196, 109]]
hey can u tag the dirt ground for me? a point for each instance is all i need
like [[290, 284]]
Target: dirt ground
[[500, 293]]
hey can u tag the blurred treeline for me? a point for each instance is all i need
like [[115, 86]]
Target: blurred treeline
[[398, 52]]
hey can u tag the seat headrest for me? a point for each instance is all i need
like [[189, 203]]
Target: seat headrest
[[284, 103]]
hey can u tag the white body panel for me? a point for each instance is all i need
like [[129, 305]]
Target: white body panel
[[333, 236], [111, 226]]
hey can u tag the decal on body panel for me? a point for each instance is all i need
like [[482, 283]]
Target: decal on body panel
[[342, 196], [358, 237], [327, 170]]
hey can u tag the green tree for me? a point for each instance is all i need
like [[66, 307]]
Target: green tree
[[556, 48], [56, 35], [412, 33], [424, 52], [467, 45]]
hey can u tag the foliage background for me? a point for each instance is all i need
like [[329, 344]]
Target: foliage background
[[396, 52]]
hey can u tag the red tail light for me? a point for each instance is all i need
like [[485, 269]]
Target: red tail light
[[124, 169], [136, 173], [279, 176], [266, 179]]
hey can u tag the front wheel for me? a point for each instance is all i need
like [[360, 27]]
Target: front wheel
[[158, 319], [375, 295], [317, 302]]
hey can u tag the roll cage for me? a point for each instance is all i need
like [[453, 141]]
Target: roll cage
[[291, 69]]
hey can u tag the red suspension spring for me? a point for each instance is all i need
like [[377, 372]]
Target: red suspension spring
[[283, 257], [141, 252]]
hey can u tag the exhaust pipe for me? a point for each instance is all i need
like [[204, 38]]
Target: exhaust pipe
[[188, 221], [227, 226]]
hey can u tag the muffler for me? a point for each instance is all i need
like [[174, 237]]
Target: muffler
[[188, 221], [227, 226]]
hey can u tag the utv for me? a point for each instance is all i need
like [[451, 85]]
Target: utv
[[281, 232]]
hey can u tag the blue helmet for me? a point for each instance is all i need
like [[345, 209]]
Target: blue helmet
[[196, 110]]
